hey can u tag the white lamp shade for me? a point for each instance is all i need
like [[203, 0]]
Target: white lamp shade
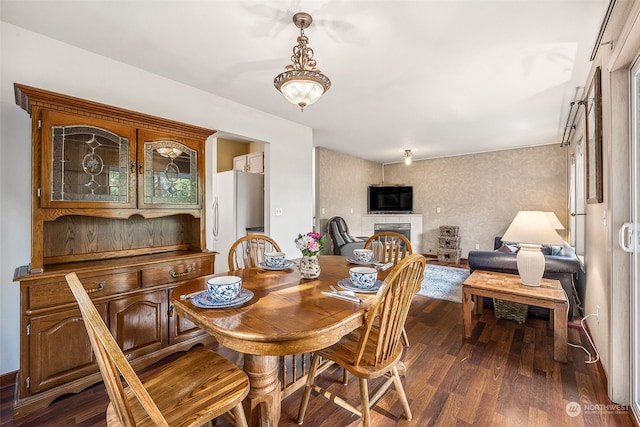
[[532, 227], [555, 222]]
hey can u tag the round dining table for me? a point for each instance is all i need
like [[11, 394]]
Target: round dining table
[[286, 315]]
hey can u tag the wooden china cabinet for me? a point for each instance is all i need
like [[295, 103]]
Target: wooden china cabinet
[[117, 198]]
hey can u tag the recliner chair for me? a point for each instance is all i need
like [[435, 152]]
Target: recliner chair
[[343, 243]]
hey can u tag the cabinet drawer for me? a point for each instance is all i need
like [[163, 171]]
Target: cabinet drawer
[[55, 291], [178, 270]]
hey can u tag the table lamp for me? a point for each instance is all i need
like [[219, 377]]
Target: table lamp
[[531, 229], [555, 222]]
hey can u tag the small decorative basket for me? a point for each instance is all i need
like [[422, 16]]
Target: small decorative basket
[[510, 310], [449, 230]]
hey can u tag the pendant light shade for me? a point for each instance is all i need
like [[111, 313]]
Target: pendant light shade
[[302, 83], [407, 157]]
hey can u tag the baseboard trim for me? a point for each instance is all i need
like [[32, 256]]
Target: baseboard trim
[[434, 258], [8, 379]]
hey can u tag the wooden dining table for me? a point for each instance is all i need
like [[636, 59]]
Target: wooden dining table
[[286, 315]]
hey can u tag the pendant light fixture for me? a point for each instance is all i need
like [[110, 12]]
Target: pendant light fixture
[[407, 157], [302, 83]]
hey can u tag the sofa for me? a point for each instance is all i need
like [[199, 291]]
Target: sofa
[[561, 263]]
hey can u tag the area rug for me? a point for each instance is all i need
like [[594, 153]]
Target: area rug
[[442, 282]]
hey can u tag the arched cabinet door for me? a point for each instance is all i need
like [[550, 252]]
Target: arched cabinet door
[[91, 163], [86, 162], [168, 174]]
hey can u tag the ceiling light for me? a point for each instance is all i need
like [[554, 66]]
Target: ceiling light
[[302, 83], [407, 157]]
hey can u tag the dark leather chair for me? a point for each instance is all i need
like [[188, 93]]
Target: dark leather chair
[[343, 243]]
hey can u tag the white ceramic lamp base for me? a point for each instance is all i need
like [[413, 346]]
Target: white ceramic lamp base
[[530, 261]]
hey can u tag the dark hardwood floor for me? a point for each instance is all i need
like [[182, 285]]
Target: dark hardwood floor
[[504, 375]]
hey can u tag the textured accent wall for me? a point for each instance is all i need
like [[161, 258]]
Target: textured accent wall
[[342, 183], [480, 193]]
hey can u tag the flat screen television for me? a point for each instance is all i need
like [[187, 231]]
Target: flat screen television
[[390, 199]]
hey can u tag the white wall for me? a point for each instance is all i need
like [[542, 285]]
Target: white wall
[[34, 60]]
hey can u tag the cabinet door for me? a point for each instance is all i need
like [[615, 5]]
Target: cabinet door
[[139, 322], [180, 328], [240, 163], [86, 162], [59, 349], [255, 162], [169, 175]]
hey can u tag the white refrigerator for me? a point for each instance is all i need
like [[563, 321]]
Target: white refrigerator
[[238, 205]]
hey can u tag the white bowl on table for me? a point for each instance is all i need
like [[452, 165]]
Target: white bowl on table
[[363, 255], [274, 259], [363, 277], [224, 288]]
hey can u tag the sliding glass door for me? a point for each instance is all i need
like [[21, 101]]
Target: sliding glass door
[[629, 238]]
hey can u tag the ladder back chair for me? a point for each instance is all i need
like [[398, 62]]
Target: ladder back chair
[[373, 350], [389, 246], [190, 391], [248, 251]]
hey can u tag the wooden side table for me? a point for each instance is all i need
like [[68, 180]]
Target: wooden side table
[[508, 287]]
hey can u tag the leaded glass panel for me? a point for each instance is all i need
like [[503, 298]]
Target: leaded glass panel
[[89, 164], [170, 173]]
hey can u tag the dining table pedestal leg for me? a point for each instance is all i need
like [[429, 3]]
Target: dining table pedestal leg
[[262, 405]]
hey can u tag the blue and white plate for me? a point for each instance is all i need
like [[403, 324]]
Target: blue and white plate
[[355, 261], [287, 264], [348, 286], [205, 300]]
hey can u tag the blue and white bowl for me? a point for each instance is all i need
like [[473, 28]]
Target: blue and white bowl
[[224, 288], [363, 277], [274, 259], [363, 255]]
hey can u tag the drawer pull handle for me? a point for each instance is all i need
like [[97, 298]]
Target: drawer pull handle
[[100, 287], [176, 275]]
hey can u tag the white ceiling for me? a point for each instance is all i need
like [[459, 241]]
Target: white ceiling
[[438, 77]]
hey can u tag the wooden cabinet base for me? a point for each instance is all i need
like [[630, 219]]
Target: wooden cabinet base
[[29, 404], [55, 353]]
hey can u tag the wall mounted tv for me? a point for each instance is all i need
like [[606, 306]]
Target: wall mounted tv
[[383, 199]]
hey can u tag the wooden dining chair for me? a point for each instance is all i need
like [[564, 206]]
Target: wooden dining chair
[[373, 350], [190, 391], [248, 251], [389, 246]]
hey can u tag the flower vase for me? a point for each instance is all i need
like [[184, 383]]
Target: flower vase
[[309, 267]]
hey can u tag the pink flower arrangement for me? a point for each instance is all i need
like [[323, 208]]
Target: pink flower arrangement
[[311, 243]]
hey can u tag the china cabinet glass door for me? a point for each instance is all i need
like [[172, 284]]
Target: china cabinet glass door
[[86, 162], [170, 172]]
